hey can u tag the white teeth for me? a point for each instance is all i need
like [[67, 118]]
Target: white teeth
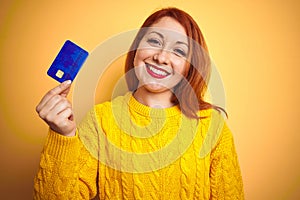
[[156, 71]]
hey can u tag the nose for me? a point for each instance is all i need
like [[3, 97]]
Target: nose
[[162, 57]]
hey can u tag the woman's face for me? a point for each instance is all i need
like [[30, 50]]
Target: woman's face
[[161, 58]]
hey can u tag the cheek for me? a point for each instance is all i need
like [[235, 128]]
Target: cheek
[[138, 58], [143, 54], [135, 60], [182, 68]]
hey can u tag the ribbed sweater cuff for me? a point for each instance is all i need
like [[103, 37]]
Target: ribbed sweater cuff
[[62, 147]]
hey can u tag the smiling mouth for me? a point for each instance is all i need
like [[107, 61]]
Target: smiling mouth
[[156, 72]]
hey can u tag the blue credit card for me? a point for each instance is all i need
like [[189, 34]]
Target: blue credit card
[[68, 62]]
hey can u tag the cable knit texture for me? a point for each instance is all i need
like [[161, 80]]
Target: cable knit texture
[[125, 150]]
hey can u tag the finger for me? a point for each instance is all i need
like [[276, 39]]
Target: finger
[[55, 91], [71, 117], [60, 107], [66, 114], [54, 117], [50, 104], [63, 121], [65, 92]]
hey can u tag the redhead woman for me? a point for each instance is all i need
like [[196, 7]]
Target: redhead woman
[[161, 140]]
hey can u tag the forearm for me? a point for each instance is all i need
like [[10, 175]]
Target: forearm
[[67, 171]]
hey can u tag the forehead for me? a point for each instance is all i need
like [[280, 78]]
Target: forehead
[[168, 26]]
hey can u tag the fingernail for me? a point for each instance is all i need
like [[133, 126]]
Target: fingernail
[[68, 82]]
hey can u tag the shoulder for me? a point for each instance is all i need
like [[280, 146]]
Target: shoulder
[[214, 129], [102, 115], [211, 115], [108, 106]]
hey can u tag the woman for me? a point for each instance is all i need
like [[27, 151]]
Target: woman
[[146, 144]]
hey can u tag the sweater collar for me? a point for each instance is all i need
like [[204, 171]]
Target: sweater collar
[[144, 110]]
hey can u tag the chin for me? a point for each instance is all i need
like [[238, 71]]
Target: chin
[[156, 88]]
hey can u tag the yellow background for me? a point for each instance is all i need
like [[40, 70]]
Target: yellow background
[[255, 45]]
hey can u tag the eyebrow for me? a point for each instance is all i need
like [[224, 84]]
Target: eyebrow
[[162, 36], [184, 43]]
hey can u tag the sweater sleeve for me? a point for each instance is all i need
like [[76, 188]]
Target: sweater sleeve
[[67, 170], [225, 174]]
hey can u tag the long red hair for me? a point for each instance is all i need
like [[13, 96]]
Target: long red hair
[[188, 94]]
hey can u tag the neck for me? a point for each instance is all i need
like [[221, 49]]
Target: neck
[[154, 100]]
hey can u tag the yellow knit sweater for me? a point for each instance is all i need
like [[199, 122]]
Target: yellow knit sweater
[[125, 150]]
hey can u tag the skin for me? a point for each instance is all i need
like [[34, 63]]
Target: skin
[[161, 48], [165, 48], [56, 110]]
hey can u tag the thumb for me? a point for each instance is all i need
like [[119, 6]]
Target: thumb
[[67, 89]]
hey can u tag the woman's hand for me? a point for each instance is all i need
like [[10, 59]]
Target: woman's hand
[[56, 110]]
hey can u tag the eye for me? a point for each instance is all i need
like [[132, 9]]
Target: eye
[[180, 52], [154, 42]]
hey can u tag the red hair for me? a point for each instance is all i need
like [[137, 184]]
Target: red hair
[[189, 94]]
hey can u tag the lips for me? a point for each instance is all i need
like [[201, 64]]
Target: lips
[[156, 72]]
